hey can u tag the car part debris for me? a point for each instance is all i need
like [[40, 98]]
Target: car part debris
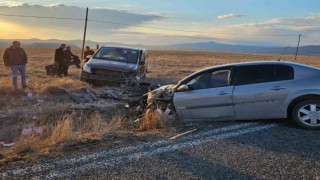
[[92, 95], [182, 134], [126, 106], [29, 131], [112, 95], [9, 144]]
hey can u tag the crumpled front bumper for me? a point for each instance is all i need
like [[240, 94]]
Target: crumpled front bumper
[[88, 77]]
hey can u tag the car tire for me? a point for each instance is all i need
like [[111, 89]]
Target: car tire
[[307, 114]]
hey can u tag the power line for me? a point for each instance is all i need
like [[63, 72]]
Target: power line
[[311, 39], [125, 24], [151, 27], [41, 17], [169, 29]]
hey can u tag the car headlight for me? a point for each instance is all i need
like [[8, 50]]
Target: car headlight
[[86, 68]]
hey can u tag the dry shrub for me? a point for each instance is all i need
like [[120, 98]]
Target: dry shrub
[[62, 131], [27, 144], [115, 124], [151, 119], [89, 128], [65, 130]]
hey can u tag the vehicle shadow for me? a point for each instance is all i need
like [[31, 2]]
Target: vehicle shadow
[[201, 167]]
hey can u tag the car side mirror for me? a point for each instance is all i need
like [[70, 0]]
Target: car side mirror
[[89, 56], [183, 88], [142, 63]]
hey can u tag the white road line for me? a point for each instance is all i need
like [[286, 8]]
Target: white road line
[[141, 155], [130, 153]]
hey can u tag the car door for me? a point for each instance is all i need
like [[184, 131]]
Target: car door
[[209, 96], [260, 90], [142, 64]]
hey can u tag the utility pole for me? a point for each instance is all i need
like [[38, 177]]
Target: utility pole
[[85, 32], [295, 58]]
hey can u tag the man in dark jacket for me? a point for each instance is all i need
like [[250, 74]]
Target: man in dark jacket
[[87, 52], [16, 58], [59, 59], [70, 58]]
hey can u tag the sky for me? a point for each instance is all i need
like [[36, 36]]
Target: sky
[[160, 22]]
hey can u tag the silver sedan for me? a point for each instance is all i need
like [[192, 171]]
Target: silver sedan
[[248, 91]]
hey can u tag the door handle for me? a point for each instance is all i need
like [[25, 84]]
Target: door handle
[[223, 93], [277, 88]]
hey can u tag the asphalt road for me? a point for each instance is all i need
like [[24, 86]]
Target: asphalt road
[[237, 150]]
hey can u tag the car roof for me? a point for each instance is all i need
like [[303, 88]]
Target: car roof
[[271, 62], [124, 47]]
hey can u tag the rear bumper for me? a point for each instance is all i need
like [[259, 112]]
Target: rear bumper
[[90, 77]]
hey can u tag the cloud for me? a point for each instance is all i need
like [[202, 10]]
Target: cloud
[[102, 22], [116, 26], [229, 16], [281, 31], [11, 3]]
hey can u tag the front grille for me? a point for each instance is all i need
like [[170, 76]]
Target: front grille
[[105, 72]]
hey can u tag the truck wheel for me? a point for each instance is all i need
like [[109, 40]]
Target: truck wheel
[[307, 114]]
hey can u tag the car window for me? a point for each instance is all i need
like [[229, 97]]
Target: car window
[[210, 80], [220, 78], [117, 54], [283, 72], [254, 74]]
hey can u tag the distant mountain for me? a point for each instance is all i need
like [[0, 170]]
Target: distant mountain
[[48, 45], [213, 46], [311, 50], [54, 43]]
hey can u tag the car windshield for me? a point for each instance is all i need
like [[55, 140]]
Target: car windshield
[[117, 54]]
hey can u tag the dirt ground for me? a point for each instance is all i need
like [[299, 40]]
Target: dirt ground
[[46, 102]]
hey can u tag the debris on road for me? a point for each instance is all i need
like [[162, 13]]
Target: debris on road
[[9, 144], [182, 134], [30, 131], [112, 95], [29, 94]]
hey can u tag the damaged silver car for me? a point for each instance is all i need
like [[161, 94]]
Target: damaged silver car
[[116, 64], [245, 91]]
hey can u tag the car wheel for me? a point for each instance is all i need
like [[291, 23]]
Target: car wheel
[[307, 114]]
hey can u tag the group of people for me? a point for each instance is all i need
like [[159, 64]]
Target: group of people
[[63, 58], [15, 59]]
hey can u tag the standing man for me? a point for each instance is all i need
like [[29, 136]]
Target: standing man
[[15, 58], [59, 59], [69, 57], [87, 52]]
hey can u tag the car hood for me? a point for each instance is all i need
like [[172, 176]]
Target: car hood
[[111, 65], [168, 88]]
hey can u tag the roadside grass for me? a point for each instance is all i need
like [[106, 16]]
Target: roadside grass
[[151, 119], [55, 136]]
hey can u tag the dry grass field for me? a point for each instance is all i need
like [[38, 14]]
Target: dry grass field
[[18, 111]]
